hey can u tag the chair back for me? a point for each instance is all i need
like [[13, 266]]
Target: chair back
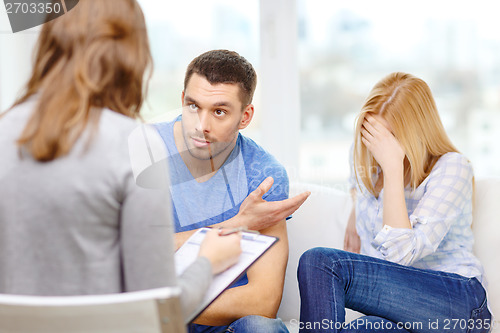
[[149, 311]]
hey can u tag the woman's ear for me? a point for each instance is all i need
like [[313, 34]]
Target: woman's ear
[[246, 117]]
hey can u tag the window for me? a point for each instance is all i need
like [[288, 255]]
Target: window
[[346, 47], [340, 49], [179, 31]]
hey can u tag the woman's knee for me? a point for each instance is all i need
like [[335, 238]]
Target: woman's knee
[[309, 260], [318, 258]]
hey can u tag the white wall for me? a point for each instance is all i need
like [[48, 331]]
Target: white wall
[[15, 60], [279, 81]]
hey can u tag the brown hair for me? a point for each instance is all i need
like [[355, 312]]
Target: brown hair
[[406, 103], [93, 57], [223, 66]]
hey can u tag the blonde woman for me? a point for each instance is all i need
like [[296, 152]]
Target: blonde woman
[[416, 271], [73, 220]]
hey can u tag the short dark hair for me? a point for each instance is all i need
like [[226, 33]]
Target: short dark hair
[[223, 66]]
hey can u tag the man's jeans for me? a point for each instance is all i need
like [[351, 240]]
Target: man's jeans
[[248, 324], [395, 298]]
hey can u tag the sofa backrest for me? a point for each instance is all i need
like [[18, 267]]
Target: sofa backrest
[[320, 221]]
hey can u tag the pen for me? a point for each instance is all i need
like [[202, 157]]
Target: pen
[[235, 230]]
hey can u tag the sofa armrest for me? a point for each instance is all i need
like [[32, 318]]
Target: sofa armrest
[[486, 227]]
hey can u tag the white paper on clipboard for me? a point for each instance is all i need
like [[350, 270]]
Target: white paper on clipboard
[[252, 245]]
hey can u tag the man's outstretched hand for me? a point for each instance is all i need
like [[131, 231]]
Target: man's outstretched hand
[[257, 213]]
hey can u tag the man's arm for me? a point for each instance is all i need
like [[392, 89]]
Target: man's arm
[[262, 295], [256, 213]]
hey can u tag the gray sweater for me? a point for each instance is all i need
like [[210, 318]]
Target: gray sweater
[[80, 224]]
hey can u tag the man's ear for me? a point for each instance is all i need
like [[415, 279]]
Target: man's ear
[[247, 116], [182, 98]]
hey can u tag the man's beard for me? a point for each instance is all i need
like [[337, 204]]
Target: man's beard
[[214, 148]]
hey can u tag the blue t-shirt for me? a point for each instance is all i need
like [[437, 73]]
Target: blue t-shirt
[[218, 199]]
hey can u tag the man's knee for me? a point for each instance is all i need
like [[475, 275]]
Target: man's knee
[[258, 324]]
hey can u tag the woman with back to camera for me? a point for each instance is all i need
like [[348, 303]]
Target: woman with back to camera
[[414, 191], [73, 221]]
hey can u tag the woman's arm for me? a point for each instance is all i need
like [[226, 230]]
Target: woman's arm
[[394, 198], [447, 199], [352, 242], [387, 151]]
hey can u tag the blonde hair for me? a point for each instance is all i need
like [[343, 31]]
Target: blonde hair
[[93, 57], [406, 103]]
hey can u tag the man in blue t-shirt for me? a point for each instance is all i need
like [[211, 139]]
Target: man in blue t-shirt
[[222, 178]]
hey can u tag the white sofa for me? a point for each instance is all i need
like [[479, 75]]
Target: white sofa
[[321, 222]]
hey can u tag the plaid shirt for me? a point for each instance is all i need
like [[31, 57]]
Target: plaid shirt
[[440, 212]]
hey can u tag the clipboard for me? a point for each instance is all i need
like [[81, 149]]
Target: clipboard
[[253, 246]]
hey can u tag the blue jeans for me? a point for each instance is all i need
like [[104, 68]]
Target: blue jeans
[[248, 324], [395, 298]]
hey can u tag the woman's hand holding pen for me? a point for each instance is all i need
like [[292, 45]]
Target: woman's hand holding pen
[[382, 144], [222, 250]]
